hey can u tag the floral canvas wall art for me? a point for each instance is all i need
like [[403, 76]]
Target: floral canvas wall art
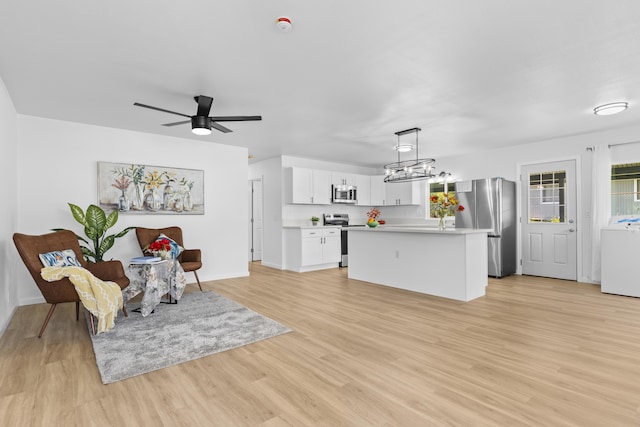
[[144, 189]]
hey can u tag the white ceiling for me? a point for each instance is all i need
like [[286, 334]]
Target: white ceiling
[[473, 74]]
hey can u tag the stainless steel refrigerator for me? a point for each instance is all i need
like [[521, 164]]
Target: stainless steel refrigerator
[[491, 203]]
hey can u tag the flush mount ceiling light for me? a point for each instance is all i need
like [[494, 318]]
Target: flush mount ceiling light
[[283, 24], [409, 170], [403, 148], [609, 109], [201, 125]]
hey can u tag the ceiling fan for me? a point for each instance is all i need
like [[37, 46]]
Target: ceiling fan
[[202, 123]]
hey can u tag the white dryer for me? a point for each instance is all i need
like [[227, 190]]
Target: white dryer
[[620, 256]]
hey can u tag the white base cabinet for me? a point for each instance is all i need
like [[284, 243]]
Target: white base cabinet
[[308, 249]]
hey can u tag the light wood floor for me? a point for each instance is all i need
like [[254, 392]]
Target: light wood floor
[[533, 351]]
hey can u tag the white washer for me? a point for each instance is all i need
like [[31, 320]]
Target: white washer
[[620, 256]]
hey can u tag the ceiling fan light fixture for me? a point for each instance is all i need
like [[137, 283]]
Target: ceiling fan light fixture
[[609, 109], [201, 125]]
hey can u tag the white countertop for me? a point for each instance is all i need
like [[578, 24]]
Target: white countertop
[[302, 227], [413, 229]]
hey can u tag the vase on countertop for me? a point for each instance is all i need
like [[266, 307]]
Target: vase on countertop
[[441, 224], [372, 224]]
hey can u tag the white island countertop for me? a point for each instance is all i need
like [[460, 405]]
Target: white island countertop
[[303, 227], [450, 263], [418, 229]]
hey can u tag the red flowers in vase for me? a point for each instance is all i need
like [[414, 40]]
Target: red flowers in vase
[[160, 245]]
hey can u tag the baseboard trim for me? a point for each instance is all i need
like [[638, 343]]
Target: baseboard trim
[[270, 265], [5, 324], [31, 300]]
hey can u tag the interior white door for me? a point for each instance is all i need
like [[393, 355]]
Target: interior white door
[[255, 220], [250, 222], [549, 229], [258, 222]]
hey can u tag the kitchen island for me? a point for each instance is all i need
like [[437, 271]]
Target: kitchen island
[[446, 263]]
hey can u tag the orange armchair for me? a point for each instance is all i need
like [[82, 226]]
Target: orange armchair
[[189, 259], [61, 291]]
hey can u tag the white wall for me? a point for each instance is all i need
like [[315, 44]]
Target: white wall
[[8, 196], [58, 164]]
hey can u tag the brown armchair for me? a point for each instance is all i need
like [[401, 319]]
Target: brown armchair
[[29, 247], [190, 259]]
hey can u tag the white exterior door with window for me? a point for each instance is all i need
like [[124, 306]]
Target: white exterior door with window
[[549, 229]]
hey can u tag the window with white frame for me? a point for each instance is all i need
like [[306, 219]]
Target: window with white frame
[[547, 196], [437, 188], [625, 189]]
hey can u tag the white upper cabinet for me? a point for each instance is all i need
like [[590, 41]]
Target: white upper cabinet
[[363, 184], [342, 178], [321, 187], [377, 193], [307, 186], [402, 193], [313, 187]]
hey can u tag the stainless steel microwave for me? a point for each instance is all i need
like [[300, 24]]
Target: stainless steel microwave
[[344, 194]]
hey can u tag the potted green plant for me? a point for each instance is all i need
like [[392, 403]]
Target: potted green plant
[[96, 223], [314, 220]]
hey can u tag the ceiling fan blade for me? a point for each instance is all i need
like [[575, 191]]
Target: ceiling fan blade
[[220, 127], [177, 123], [204, 105], [137, 104], [235, 118]]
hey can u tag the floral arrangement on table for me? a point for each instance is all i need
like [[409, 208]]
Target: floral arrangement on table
[[373, 215], [444, 204], [160, 248]]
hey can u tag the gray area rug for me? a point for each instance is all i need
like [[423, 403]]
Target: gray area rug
[[201, 324]]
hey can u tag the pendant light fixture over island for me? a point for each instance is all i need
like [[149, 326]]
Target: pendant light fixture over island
[[412, 169]]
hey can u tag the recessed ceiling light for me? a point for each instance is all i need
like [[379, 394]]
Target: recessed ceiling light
[[609, 109]]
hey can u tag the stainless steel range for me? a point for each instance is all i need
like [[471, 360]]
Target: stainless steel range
[[343, 221]]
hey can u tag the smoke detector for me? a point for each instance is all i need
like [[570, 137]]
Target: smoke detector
[[283, 24]]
